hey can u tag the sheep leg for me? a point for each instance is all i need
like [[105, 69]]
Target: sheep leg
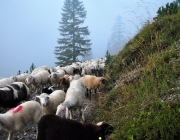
[[67, 113], [95, 92], [70, 114], [87, 93], [82, 115], [90, 94], [9, 136], [22, 135]]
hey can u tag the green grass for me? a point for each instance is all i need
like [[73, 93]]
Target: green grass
[[140, 109]]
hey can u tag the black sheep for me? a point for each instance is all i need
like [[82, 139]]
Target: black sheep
[[52, 127], [48, 90], [12, 95]]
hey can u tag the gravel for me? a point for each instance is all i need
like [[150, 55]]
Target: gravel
[[31, 130]]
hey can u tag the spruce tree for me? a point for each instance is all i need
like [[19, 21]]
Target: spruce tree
[[73, 40], [170, 9]]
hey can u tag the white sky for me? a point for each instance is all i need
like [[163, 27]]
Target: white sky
[[29, 28]]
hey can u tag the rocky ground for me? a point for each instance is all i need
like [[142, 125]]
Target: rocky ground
[[30, 131]]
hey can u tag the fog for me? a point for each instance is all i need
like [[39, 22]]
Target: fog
[[29, 29]]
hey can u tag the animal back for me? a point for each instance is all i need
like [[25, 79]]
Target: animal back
[[16, 109]]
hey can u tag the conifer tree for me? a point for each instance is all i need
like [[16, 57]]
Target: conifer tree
[[32, 67], [73, 41], [171, 8]]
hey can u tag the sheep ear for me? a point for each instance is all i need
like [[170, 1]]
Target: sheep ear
[[103, 80], [37, 98], [99, 123]]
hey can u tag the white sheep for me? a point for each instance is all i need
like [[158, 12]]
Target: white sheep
[[39, 79], [69, 70], [16, 119], [73, 77], [101, 68], [6, 81], [77, 67], [92, 82], [36, 70], [50, 102], [86, 71], [20, 78], [74, 99], [55, 77], [52, 69]]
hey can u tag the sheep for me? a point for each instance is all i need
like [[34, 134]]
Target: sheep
[[6, 81], [73, 77], [55, 77], [52, 69], [39, 79], [86, 71], [36, 70], [64, 82], [92, 82], [101, 68], [66, 79], [94, 67], [68, 69], [50, 102], [48, 90], [73, 100], [11, 95], [16, 119], [52, 127], [20, 78], [77, 68]]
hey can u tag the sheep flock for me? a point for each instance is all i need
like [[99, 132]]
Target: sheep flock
[[65, 93]]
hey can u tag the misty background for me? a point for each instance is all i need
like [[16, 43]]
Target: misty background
[[29, 29]]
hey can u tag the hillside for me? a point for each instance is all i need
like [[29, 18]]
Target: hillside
[[144, 102]]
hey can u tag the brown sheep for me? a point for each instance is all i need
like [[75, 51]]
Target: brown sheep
[[64, 82], [92, 82]]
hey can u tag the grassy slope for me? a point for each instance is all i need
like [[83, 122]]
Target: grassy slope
[[143, 107]]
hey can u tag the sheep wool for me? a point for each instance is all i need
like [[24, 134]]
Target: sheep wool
[[93, 82], [11, 95], [50, 102], [73, 100], [16, 119], [66, 129]]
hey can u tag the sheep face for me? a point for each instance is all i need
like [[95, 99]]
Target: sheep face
[[102, 80], [54, 75], [44, 99], [83, 72], [106, 129], [62, 80], [14, 78], [60, 110], [29, 80], [52, 88]]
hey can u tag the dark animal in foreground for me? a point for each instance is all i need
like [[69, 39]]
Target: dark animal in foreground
[[52, 127]]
